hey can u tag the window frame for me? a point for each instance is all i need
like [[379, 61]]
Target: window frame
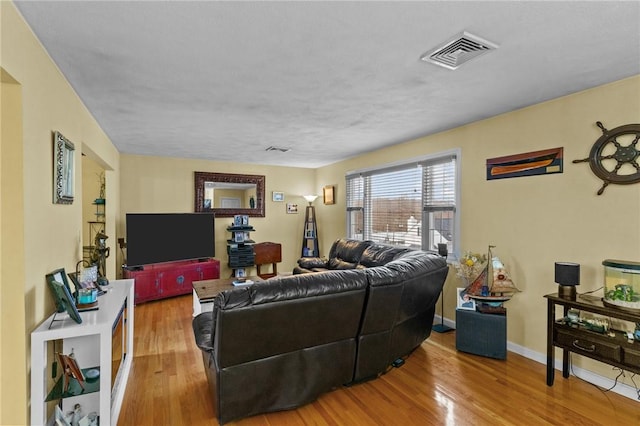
[[400, 165]]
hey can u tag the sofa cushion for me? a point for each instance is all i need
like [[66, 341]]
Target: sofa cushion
[[380, 254], [312, 262], [346, 254]]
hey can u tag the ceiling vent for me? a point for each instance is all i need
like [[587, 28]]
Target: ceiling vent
[[464, 47], [275, 148]]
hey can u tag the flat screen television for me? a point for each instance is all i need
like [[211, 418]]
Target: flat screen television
[[169, 237]]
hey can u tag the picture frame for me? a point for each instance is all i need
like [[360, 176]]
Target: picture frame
[[245, 220], [60, 276], [464, 301], [238, 237], [237, 220], [328, 195], [59, 418], [64, 299], [277, 196], [240, 273], [292, 208], [63, 169]]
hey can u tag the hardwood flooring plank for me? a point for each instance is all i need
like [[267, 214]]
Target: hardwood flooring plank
[[437, 385]]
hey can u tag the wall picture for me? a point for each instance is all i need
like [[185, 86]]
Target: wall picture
[[527, 164], [328, 194], [292, 208]]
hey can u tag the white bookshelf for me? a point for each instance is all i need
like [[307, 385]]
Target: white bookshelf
[[92, 343]]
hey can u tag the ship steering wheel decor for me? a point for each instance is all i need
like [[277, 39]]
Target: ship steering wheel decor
[[612, 158]]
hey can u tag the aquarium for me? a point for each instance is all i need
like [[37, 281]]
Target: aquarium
[[622, 283]]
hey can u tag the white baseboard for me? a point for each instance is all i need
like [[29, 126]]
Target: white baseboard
[[596, 379]]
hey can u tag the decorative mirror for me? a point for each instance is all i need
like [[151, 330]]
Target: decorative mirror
[[228, 194], [63, 162]]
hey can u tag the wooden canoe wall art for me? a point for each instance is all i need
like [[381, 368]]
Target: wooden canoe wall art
[[614, 156], [543, 162]]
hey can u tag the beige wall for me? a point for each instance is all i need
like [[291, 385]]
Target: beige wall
[[50, 234], [13, 386], [533, 221], [166, 185]]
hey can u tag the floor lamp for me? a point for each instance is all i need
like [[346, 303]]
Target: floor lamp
[[441, 328]]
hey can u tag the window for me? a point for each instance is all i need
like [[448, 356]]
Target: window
[[411, 204]]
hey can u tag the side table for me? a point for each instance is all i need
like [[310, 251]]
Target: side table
[[481, 334], [615, 349]]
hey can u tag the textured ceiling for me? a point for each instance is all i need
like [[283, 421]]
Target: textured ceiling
[[329, 80]]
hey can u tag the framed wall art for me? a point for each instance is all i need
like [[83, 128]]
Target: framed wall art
[[292, 208], [63, 169], [328, 194], [533, 163], [278, 196]]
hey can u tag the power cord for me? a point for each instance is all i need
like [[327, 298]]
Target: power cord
[[615, 382], [592, 291]]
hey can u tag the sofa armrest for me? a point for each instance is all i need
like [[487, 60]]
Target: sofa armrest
[[203, 329], [312, 262]]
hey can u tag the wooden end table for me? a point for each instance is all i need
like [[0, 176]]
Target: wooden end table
[[206, 290]]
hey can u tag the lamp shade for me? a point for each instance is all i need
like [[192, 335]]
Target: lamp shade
[[310, 198], [567, 273]]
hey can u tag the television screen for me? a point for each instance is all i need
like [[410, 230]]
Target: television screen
[[167, 237]]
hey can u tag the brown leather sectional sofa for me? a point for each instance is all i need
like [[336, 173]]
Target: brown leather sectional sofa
[[279, 344]]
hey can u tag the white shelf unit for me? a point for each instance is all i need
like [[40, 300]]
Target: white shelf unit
[[92, 342]]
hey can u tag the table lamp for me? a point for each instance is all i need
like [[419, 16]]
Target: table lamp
[[567, 275]]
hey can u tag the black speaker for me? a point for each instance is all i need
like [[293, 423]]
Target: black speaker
[[442, 250], [567, 273]]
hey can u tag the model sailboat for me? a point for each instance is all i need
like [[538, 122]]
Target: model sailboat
[[493, 284]]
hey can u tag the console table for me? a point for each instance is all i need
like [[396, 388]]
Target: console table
[[103, 341], [616, 350], [162, 280]]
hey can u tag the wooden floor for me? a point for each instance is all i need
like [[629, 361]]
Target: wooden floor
[[436, 386]]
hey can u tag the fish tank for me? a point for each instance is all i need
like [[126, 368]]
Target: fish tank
[[622, 284]]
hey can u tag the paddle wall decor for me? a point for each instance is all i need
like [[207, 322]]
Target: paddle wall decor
[[543, 162]]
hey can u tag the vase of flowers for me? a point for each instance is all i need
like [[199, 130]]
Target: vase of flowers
[[470, 265]]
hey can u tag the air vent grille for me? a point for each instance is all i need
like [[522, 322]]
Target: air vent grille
[[275, 148], [459, 50]]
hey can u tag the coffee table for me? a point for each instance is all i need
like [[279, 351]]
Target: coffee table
[[206, 290]]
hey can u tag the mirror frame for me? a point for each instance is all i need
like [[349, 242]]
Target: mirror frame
[[63, 169], [201, 177]]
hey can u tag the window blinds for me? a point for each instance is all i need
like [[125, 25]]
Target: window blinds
[[396, 205]]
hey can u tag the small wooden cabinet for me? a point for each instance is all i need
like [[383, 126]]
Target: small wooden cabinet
[[614, 350], [162, 280]]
